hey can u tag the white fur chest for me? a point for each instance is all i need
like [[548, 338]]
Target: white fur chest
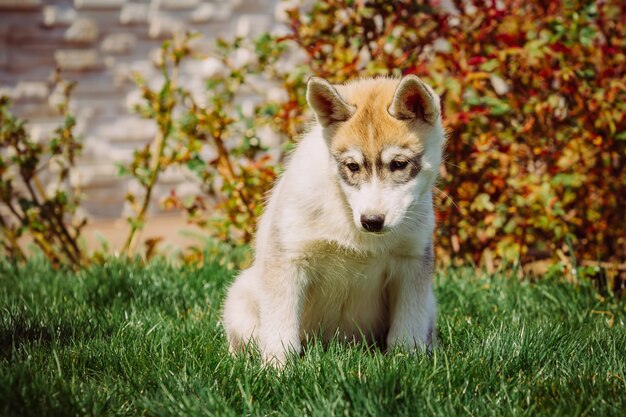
[[346, 295]]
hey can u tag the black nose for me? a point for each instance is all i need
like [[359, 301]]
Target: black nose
[[373, 223]]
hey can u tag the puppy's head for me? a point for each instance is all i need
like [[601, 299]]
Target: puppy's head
[[385, 138]]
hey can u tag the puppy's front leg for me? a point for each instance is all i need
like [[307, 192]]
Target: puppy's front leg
[[280, 311], [413, 304]]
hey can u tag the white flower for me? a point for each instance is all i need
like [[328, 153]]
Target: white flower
[[499, 85]]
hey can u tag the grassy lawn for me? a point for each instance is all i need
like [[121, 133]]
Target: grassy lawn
[[128, 340]]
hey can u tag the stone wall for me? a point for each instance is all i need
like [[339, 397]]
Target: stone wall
[[99, 43]]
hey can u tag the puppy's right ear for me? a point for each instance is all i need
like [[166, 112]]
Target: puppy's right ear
[[326, 102]]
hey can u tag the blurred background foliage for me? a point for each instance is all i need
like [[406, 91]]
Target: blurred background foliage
[[534, 96]]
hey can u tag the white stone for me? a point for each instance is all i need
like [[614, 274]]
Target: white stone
[[281, 30], [119, 43], [198, 91], [135, 187], [10, 152], [19, 4], [95, 175], [188, 189], [95, 147], [156, 56], [124, 72], [84, 116], [77, 59], [233, 3], [127, 210], [201, 46], [134, 13], [121, 155], [164, 26], [56, 164], [54, 187], [257, 6], [98, 4], [251, 25], [178, 4], [207, 12], [242, 57], [6, 91], [207, 153], [247, 106], [143, 67], [172, 175], [121, 74], [127, 129], [109, 61], [213, 67], [255, 85], [134, 99], [280, 11], [58, 16], [41, 131], [56, 98], [290, 60], [82, 31], [80, 215], [30, 90], [101, 150], [75, 178]]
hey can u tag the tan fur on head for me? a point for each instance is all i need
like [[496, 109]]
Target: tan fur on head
[[414, 99], [359, 106]]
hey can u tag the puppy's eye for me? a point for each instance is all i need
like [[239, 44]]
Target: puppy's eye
[[353, 166], [398, 165]]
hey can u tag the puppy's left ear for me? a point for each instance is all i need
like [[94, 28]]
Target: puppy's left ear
[[414, 99]]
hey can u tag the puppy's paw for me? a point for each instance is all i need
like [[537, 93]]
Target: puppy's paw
[[410, 341], [414, 337], [276, 360], [277, 357]]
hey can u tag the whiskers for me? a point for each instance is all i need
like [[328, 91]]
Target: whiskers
[[418, 215], [456, 166], [446, 195]]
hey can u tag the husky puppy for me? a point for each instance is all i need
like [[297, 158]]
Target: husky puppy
[[344, 248]]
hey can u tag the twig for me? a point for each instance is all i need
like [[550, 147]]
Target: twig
[[155, 167], [13, 247], [605, 265]]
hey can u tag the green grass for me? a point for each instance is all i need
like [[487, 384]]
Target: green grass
[[129, 340]]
